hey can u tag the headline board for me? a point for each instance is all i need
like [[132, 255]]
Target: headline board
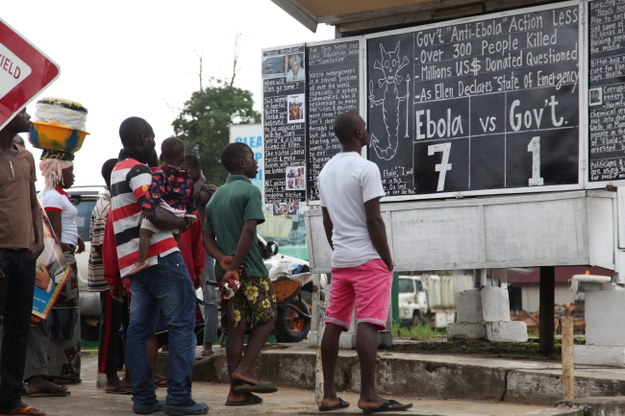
[[606, 114], [478, 105], [482, 105]]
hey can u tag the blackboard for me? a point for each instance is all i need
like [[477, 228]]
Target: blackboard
[[606, 115], [284, 123], [333, 88], [479, 105]]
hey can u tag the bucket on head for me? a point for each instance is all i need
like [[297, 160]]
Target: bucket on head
[[54, 136]]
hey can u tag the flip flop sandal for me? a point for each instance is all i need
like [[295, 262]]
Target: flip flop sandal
[[387, 406], [49, 394], [25, 410], [342, 404], [252, 399], [118, 390]]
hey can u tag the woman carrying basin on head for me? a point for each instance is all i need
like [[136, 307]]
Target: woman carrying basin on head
[[63, 327]]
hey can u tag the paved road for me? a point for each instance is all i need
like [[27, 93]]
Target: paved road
[[86, 399]]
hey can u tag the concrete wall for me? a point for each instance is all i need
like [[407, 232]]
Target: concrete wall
[[530, 297]]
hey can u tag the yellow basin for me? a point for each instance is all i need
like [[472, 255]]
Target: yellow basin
[[55, 136]]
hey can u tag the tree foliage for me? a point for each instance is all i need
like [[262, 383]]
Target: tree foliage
[[203, 124]]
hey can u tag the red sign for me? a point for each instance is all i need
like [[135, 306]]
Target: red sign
[[24, 72]]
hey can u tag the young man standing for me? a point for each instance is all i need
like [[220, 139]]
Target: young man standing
[[21, 242], [350, 189], [202, 193], [165, 285], [230, 238]]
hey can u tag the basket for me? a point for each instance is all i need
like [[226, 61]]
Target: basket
[[55, 136]]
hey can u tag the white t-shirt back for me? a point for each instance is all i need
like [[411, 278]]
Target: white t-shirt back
[[51, 198], [346, 182]]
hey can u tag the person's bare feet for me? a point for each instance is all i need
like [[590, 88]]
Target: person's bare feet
[[113, 382], [382, 405], [40, 386], [207, 349], [243, 378], [235, 397], [159, 380], [328, 404]]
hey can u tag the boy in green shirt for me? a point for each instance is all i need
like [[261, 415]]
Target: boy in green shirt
[[230, 238]]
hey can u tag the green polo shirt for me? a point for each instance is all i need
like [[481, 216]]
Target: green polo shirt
[[235, 202]]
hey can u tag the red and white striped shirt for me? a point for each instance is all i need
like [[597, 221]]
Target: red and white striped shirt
[[130, 181]]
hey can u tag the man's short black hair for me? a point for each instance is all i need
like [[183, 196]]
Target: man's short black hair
[[172, 148], [131, 130], [107, 168], [232, 153], [192, 161], [345, 126]]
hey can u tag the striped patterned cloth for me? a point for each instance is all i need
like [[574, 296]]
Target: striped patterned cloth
[[96, 281], [130, 181]]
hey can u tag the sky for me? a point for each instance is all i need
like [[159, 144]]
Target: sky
[[142, 58]]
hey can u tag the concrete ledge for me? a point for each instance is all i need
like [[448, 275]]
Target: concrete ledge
[[534, 388], [427, 376], [555, 412]]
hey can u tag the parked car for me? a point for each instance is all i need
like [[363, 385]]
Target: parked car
[[85, 198], [293, 322]]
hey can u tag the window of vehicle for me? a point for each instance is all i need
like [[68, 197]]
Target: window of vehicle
[[85, 207], [405, 286]]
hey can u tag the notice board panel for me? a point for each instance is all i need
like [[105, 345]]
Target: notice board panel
[[333, 88], [284, 122], [606, 115], [485, 103]]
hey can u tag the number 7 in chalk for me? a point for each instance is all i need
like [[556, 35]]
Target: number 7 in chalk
[[444, 166]]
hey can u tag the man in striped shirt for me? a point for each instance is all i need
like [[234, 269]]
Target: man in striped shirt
[[165, 286]]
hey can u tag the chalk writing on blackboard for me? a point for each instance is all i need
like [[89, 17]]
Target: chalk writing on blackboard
[[333, 88]]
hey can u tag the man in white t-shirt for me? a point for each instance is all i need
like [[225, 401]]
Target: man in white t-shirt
[[350, 189]]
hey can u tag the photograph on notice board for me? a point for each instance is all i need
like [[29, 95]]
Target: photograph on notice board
[[295, 67], [273, 66], [286, 208], [295, 178], [295, 104], [596, 96]]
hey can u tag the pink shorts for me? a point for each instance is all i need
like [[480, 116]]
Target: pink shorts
[[368, 287]]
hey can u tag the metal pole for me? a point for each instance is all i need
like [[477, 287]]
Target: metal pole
[[547, 296]]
